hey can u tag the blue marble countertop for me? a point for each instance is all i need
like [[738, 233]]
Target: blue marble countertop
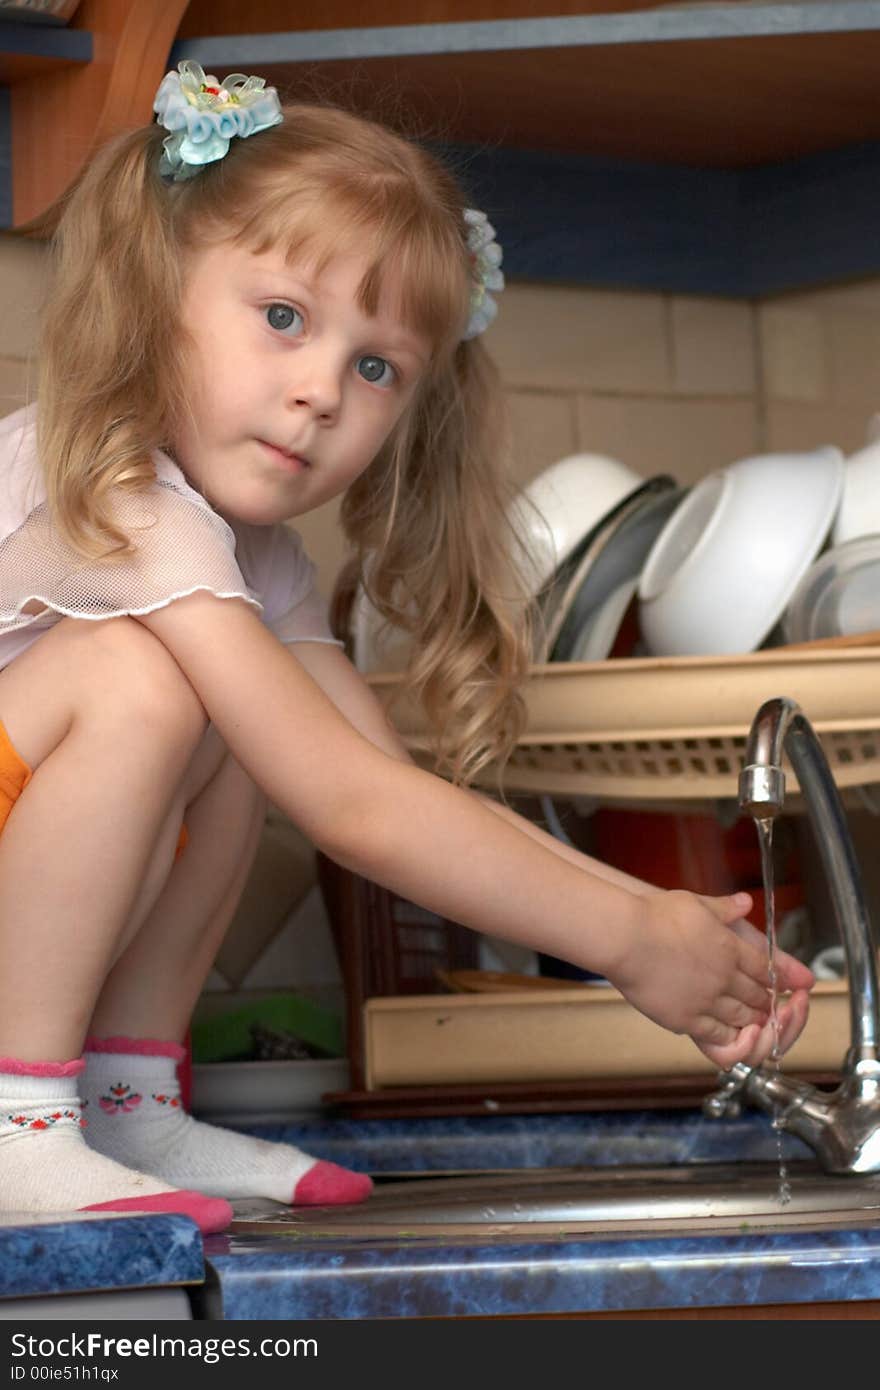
[[474, 1143], [88, 1252], [308, 1276], [278, 1278], [275, 1277]]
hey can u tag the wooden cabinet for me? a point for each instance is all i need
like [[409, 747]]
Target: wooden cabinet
[[644, 145], [72, 88]]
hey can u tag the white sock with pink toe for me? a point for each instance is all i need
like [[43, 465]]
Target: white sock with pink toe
[[135, 1116], [46, 1165]]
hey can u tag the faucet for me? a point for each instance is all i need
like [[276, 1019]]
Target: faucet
[[842, 1126]]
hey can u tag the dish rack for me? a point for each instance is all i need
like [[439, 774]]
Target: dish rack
[[672, 729]]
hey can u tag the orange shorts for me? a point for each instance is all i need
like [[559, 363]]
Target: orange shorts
[[15, 775]]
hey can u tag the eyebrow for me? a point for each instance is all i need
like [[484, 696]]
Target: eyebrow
[[394, 341], [407, 345]]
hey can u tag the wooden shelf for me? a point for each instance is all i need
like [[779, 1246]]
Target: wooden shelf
[[647, 145], [29, 51], [726, 85]]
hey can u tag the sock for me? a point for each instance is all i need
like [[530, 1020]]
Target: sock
[[135, 1116], [46, 1165]]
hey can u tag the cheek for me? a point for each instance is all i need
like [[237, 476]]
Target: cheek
[[385, 422]]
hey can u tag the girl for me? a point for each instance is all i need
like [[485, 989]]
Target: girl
[[253, 314]]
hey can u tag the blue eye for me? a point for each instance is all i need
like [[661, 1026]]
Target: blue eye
[[283, 317], [377, 371]]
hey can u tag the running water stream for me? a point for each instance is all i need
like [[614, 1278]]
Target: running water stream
[[764, 827]]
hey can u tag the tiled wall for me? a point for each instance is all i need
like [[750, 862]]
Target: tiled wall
[[665, 383]]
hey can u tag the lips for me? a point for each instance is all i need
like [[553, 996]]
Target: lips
[[286, 457]]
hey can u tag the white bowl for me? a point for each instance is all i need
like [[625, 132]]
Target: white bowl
[[563, 503], [859, 511], [725, 565]]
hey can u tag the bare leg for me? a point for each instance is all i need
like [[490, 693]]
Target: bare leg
[[107, 721], [131, 1084], [153, 987]]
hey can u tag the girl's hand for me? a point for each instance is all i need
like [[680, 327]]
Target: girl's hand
[[754, 1044], [693, 966]]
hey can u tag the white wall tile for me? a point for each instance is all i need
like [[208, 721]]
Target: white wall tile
[[576, 339], [713, 347], [794, 352], [543, 428], [23, 276], [686, 438]]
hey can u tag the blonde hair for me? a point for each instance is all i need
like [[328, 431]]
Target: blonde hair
[[429, 519]]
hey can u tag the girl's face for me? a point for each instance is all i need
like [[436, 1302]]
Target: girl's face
[[292, 390]]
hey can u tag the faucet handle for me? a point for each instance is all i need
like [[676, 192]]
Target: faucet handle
[[726, 1102]]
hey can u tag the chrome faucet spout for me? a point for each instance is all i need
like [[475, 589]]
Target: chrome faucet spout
[[843, 1127]]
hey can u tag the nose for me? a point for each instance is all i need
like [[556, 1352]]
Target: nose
[[316, 384]]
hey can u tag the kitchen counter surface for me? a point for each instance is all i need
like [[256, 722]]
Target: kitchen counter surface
[[87, 1252], [407, 1275], [475, 1143], [404, 1274]]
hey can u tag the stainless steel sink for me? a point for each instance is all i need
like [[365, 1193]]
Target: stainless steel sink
[[690, 1199]]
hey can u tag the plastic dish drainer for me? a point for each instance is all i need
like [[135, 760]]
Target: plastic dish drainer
[[667, 729]]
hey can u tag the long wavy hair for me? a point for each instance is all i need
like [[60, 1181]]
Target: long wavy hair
[[429, 521]]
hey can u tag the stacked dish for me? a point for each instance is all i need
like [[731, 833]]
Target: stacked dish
[[726, 564], [722, 568], [583, 609], [839, 595]]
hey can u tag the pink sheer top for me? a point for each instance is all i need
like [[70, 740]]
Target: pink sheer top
[[181, 546]]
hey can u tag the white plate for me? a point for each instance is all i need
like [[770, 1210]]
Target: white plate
[[263, 1093], [613, 552], [597, 636]]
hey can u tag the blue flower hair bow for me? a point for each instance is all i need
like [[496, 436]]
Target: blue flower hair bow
[[203, 115], [485, 256]]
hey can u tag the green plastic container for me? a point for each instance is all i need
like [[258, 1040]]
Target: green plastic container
[[227, 1038]]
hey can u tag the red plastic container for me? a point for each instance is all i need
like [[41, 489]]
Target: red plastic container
[[695, 851]]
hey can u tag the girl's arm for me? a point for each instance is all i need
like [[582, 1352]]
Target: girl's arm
[[444, 848], [353, 696]]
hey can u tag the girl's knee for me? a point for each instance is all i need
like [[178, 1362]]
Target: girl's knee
[[144, 680], [113, 674]]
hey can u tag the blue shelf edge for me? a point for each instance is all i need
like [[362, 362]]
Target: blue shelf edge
[[666, 24], [46, 41]]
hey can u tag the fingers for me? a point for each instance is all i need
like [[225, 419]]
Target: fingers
[[798, 1013], [727, 1054], [730, 907], [753, 1044], [746, 931], [754, 993], [792, 974], [791, 1015], [732, 1010]]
